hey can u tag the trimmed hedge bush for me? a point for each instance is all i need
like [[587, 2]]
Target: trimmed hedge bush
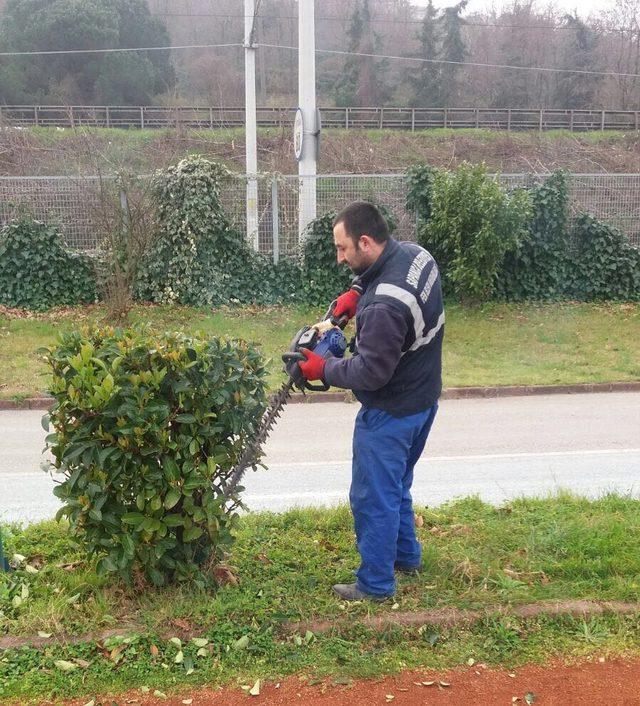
[[198, 258], [146, 428], [471, 224], [605, 264], [38, 272], [539, 267]]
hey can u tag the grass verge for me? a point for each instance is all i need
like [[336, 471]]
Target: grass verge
[[476, 557], [498, 344]]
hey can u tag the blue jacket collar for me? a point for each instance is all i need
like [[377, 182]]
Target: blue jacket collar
[[373, 270]]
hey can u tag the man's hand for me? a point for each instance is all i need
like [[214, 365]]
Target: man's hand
[[346, 304], [313, 367]]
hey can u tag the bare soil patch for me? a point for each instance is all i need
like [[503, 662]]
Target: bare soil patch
[[590, 683]]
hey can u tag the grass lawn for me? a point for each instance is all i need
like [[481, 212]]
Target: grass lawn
[[476, 556], [498, 344]]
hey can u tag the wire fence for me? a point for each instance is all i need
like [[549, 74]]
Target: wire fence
[[76, 205]]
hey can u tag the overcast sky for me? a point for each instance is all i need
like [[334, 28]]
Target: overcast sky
[[584, 7]]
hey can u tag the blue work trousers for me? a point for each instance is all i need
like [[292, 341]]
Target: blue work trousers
[[385, 451]]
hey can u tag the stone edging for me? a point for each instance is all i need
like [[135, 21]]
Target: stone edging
[[451, 617], [444, 617], [449, 393]]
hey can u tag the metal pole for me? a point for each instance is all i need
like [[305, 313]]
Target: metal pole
[[275, 220], [307, 101], [251, 138]]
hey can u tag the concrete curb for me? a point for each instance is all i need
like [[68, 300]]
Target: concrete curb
[[438, 617], [450, 393]]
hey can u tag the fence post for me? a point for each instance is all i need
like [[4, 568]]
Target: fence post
[[35, 115], [142, 118], [571, 121], [477, 118], [602, 122], [275, 220], [71, 120], [346, 118], [540, 123], [413, 120], [108, 116], [124, 211], [444, 118], [509, 120], [4, 564], [381, 118], [211, 117]]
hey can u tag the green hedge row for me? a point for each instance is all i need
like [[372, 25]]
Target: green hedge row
[[490, 243]]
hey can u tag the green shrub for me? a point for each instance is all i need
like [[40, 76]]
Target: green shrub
[[605, 264], [38, 272], [539, 266], [146, 429], [473, 223], [420, 179], [198, 258]]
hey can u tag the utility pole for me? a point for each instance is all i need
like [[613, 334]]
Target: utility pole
[[307, 106], [251, 138]]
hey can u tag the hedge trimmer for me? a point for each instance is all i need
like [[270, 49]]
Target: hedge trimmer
[[325, 339]]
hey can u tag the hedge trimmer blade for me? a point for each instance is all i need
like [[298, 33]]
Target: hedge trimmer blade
[[254, 447]]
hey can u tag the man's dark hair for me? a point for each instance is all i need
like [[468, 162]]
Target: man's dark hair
[[363, 218]]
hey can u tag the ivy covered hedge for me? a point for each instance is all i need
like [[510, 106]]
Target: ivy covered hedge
[[38, 271], [198, 258], [507, 245], [145, 430], [490, 242]]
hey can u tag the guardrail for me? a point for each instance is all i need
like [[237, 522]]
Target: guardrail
[[390, 118]]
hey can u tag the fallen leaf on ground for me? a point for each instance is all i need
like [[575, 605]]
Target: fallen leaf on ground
[[255, 689], [65, 666], [181, 623]]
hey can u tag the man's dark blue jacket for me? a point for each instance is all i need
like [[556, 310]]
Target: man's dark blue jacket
[[397, 366]]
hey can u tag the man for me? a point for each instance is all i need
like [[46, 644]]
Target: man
[[395, 373]]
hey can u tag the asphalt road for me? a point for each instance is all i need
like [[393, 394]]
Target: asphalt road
[[495, 448]]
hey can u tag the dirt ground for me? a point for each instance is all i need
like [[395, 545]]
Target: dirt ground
[[25, 153], [597, 682]]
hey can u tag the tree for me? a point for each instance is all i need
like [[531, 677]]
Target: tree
[[362, 80], [578, 90], [426, 80], [130, 77], [453, 50]]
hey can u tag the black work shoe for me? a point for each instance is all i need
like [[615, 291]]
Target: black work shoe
[[409, 570], [351, 592]]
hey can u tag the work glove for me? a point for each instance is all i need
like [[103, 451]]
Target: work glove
[[346, 304], [313, 367]]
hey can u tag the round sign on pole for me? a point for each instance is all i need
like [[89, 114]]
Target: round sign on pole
[[318, 132], [298, 134]]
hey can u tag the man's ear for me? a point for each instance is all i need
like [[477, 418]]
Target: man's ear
[[365, 242]]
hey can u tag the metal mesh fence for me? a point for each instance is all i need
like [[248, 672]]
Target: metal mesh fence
[[77, 205]]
